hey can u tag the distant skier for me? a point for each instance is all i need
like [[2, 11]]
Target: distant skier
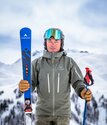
[[52, 75]]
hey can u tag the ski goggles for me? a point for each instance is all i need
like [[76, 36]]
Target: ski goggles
[[53, 33]]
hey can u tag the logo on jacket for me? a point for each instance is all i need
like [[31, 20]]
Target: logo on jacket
[[60, 67]]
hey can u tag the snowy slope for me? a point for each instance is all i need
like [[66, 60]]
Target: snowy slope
[[10, 75]]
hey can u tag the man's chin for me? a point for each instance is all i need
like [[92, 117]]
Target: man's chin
[[53, 50]]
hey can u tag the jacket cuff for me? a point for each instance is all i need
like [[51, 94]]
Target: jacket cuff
[[79, 91]]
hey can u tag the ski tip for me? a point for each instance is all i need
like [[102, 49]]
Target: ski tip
[[25, 28]]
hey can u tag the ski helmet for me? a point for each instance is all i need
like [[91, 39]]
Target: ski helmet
[[56, 33]]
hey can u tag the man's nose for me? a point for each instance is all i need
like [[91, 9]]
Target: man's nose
[[52, 41]]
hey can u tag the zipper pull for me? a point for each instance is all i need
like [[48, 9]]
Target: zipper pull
[[53, 58], [52, 61]]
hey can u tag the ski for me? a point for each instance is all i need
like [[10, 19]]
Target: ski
[[25, 39]]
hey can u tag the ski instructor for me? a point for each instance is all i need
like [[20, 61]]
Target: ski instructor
[[52, 76]]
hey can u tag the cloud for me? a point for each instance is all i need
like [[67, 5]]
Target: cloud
[[94, 13]]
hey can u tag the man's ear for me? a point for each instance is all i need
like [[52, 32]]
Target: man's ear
[[45, 45]]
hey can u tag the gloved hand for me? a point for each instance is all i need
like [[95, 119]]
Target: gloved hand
[[86, 94], [24, 85]]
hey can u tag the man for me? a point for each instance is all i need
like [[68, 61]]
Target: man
[[52, 75]]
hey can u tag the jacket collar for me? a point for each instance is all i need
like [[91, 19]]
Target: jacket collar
[[50, 55]]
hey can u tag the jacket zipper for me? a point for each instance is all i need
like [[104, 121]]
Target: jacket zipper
[[58, 82], [53, 88], [53, 94], [48, 82]]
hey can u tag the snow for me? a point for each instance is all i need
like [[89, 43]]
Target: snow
[[10, 75]]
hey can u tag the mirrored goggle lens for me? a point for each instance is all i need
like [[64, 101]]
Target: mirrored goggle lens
[[53, 33]]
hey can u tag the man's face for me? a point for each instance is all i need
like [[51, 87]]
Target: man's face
[[53, 45]]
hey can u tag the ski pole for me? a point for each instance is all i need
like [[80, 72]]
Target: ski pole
[[85, 111], [88, 77]]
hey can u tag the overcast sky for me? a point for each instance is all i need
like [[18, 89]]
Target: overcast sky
[[84, 23]]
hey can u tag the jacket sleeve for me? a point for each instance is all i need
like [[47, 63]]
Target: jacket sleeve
[[34, 74], [76, 77]]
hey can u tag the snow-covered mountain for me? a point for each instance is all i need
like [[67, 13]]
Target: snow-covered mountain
[[11, 100]]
